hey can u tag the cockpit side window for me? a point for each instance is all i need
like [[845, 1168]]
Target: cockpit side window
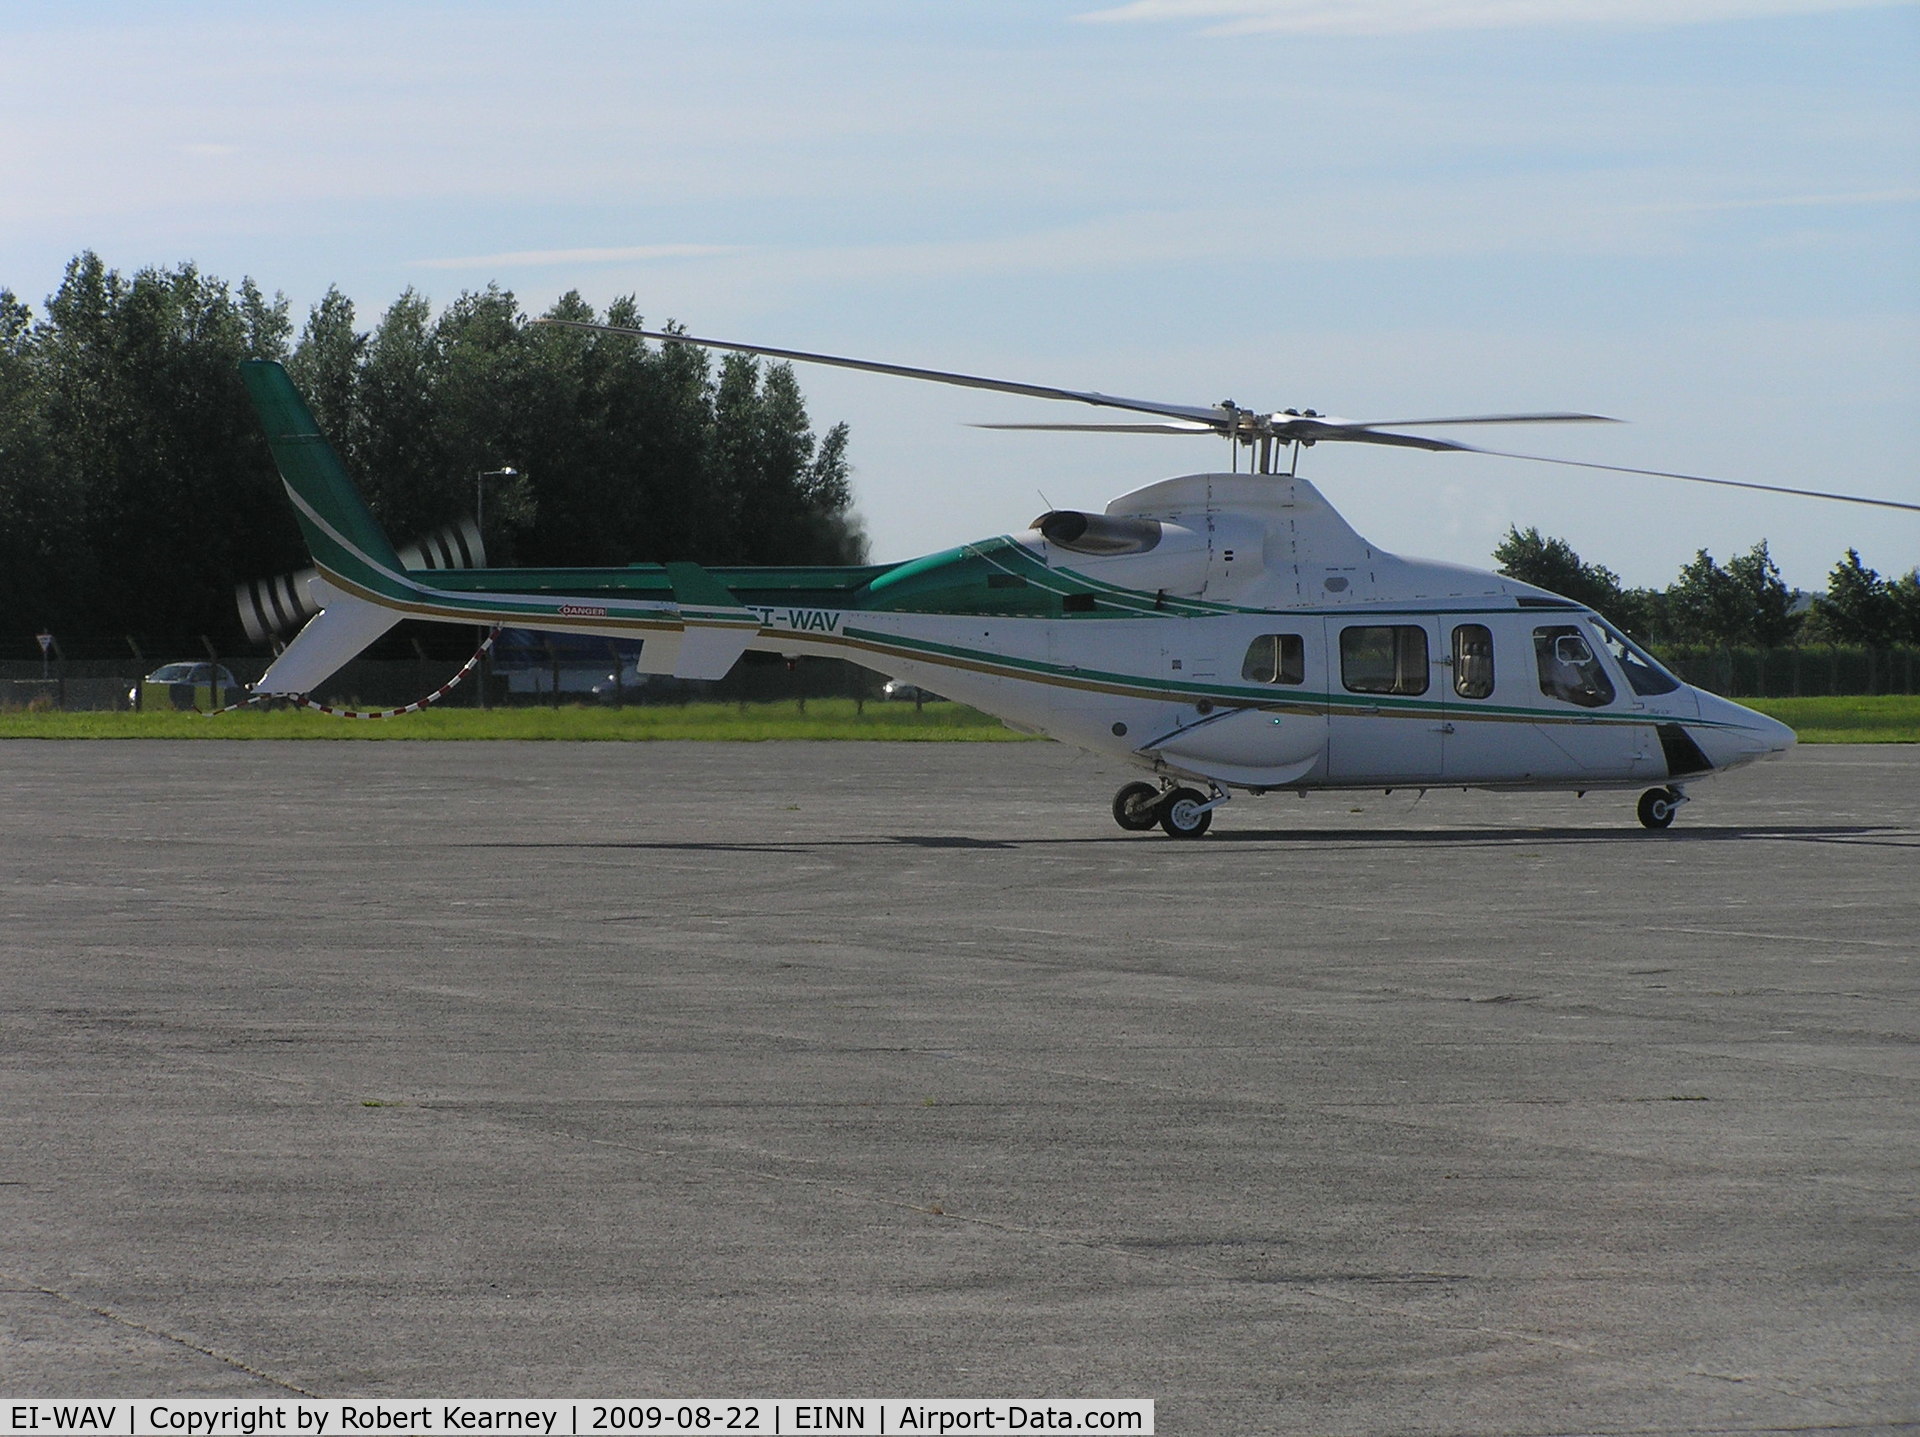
[[1472, 661], [1643, 671], [1276, 659], [1384, 659], [1569, 668]]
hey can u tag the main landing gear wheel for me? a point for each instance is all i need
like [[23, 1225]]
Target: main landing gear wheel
[[1135, 807], [1657, 807], [1183, 814]]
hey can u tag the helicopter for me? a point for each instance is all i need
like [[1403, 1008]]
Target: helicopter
[[1222, 633]]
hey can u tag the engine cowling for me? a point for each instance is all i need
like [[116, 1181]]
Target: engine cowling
[[1210, 553]]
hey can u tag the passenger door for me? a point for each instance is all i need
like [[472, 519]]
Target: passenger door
[[1385, 718], [1489, 735]]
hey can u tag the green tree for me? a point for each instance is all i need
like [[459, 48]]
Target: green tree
[[136, 489], [43, 563], [1552, 564], [642, 453], [1857, 607], [1703, 604], [480, 389], [1904, 596], [783, 491], [326, 364], [389, 439], [1744, 603], [1765, 602], [153, 446]]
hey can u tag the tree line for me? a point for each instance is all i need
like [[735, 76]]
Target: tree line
[[1741, 604], [136, 488]]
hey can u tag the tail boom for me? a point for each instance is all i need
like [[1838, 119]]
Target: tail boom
[[364, 587], [690, 640]]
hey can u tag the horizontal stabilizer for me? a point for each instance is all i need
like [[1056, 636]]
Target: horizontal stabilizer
[[700, 652], [710, 653], [718, 628], [343, 627]]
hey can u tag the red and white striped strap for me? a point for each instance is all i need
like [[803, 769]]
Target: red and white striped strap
[[413, 708]]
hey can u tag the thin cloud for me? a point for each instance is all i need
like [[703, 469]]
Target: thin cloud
[[535, 258], [1399, 17], [1785, 202]]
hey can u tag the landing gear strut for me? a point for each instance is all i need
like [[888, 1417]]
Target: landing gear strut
[[1180, 812], [1658, 805], [1185, 813]]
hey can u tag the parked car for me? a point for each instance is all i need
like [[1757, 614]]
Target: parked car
[[911, 693], [540, 679], [185, 685], [628, 680]]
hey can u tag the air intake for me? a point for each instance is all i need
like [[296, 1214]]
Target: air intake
[[1080, 533]]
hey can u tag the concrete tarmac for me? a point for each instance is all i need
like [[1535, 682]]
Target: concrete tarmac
[[817, 1070]]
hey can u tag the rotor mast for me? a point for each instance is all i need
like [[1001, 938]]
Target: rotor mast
[[1259, 435]]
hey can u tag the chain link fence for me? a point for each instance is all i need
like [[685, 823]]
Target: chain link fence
[[1803, 671], [103, 684], [564, 674]]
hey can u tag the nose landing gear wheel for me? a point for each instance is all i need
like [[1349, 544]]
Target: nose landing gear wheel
[[1134, 807], [1183, 815], [1657, 807]]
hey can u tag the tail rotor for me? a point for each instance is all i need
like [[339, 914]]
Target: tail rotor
[[279, 605]]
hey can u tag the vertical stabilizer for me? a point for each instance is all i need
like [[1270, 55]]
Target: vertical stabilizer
[[341, 532]]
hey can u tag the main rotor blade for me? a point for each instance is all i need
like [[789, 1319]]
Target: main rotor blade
[[1698, 479], [1223, 419], [1170, 426], [1320, 428], [1487, 419], [1211, 416], [1358, 434]]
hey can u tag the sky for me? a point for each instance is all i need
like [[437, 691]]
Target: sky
[[1699, 216]]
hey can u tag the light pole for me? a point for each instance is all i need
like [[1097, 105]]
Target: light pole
[[479, 495], [480, 490]]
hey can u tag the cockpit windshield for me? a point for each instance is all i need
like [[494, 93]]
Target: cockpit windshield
[[1643, 671]]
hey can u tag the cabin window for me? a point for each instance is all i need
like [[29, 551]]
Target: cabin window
[[1643, 671], [1276, 659], [1569, 669], [1384, 659], [1472, 661]]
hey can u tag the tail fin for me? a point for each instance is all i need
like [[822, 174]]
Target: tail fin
[[343, 627], [347, 543], [341, 532]]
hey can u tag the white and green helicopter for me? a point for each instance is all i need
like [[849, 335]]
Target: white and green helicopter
[[1220, 632]]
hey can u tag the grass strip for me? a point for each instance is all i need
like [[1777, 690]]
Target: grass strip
[[1883, 718], [821, 719]]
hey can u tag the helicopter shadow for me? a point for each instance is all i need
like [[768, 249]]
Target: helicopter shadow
[[1870, 835]]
